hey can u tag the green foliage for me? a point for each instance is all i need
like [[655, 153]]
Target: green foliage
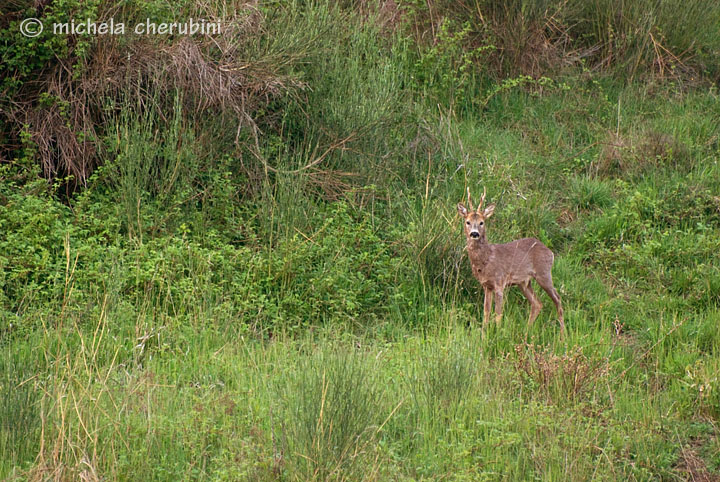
[[442, 384], [22, 56], [19, 413], [291, 299], [31, 264], [342, 272], [330, 420], [154, 166], [589, 193], [447, 71]]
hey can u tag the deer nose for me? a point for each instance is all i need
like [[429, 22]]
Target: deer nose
[[474, 234]]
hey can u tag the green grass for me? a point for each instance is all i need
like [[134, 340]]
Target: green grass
[[299, 305], [448, 402]]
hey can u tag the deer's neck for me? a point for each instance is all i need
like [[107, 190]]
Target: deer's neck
[[479, 251]]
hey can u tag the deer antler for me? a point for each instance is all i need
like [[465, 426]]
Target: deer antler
[[469, 201], [482, 200]]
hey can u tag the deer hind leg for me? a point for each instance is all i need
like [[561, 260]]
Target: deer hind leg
[[488, 305], [498, 304], [546, 283], [535, 305]]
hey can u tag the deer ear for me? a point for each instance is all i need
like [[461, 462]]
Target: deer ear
[[489, 211], [462, 210]]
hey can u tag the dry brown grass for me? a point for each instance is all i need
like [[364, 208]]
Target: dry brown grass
[[693, 467], [560, 377], [224, 74], [623, 155], [542, 38], [532, 47]]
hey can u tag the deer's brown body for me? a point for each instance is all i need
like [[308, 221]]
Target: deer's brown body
[[497, 266]]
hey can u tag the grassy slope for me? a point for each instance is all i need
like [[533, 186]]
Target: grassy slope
[[285, 336]]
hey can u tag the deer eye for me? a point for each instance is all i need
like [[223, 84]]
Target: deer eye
[[467, 222], [481, 223]]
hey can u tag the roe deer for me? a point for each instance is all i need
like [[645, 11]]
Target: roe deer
[[497, 266]]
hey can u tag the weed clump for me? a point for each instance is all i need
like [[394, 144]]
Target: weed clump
[[331, 419], [560, 378]]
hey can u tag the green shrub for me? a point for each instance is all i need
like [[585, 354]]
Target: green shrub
[[32, 265], [154, 165], [343, 272], [331, 418]]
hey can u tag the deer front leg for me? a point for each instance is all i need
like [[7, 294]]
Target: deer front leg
[[488, 305], [498, 304]]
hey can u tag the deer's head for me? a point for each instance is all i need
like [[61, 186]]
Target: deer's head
[[474, 219]]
